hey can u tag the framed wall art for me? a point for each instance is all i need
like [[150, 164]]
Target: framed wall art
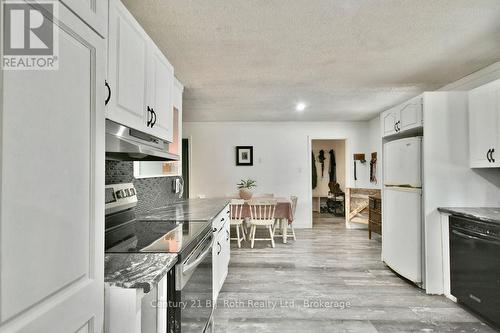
[[244, 155]]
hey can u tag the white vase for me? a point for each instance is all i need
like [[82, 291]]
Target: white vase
[[245, 193]]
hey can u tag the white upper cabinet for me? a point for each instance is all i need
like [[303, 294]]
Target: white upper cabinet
[[410, 114], [404, 117], [484, 125], [93, 12], [161, 74], [140, 77], [389, 120], [127, 68]]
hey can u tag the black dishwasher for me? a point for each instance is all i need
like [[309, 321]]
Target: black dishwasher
[[475, 266]]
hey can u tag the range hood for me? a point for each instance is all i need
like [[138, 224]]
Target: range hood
[[126, 144]]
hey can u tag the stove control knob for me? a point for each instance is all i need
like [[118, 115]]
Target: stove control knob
[[132, 191], [120, 194]]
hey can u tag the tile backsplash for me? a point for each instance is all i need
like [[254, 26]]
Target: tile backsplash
[[151, 192]]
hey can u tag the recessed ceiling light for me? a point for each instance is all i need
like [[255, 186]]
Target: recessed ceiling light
[[300, 107]]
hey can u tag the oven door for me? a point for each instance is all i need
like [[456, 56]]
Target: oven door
[[193, 284], [475, 267]]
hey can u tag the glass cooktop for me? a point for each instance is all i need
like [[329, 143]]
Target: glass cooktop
[[155, 236]]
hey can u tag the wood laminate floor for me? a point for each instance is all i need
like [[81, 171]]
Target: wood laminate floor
[[330, 280]]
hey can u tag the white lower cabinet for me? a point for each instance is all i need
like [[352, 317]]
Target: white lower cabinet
[[221, 251], [133, 311]]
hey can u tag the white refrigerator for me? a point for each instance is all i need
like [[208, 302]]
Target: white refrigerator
[[402, 227]]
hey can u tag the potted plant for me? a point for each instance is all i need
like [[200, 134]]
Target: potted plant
[[245, 187]]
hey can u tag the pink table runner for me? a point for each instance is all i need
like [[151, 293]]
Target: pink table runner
[[283, 208]]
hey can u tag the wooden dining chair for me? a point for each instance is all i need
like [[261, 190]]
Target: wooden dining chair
[[237, 219], [285, 230], [262, 215]]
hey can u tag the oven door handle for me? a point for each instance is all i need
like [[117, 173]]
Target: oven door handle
[[460, 234], [201, 257]]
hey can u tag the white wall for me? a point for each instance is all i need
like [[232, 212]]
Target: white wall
[[448, 179], [338, 147], [282, 158]]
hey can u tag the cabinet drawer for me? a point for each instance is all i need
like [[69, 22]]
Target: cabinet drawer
[[219, 221]]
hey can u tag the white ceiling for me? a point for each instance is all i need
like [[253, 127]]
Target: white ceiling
[[243, 60]]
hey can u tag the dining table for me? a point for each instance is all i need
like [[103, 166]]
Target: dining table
[[283, 212]]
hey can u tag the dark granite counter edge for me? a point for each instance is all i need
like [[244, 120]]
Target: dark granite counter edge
[[477, 213], [124, 274]]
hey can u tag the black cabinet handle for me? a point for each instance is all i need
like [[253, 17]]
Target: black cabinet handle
[[488, 155], [227, 238], [398, 129], [220, 248], [154, 115], [109, 92], [214, 230], [150, 117], [395, 127], [491, 155]]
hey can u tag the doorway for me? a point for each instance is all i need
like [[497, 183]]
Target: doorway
[[328, 180]]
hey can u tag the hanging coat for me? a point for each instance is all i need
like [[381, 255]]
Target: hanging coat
[[322, 159], [314, 175], [333, 167]]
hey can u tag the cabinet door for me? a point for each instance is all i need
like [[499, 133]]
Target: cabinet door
[[216, 263], [160, 87], [389, 119], [93, 12], [127, 69], [483, 124], [410, 115], [52, 189], [227, 248], [222, 261]]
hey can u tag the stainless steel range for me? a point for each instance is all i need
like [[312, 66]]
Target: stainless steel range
[[190, 288]]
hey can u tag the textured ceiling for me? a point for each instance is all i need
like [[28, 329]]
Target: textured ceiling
[[253, 60]]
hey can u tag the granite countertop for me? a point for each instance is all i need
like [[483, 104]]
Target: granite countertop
[[137, 270], [485, 214], [187, 210]]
